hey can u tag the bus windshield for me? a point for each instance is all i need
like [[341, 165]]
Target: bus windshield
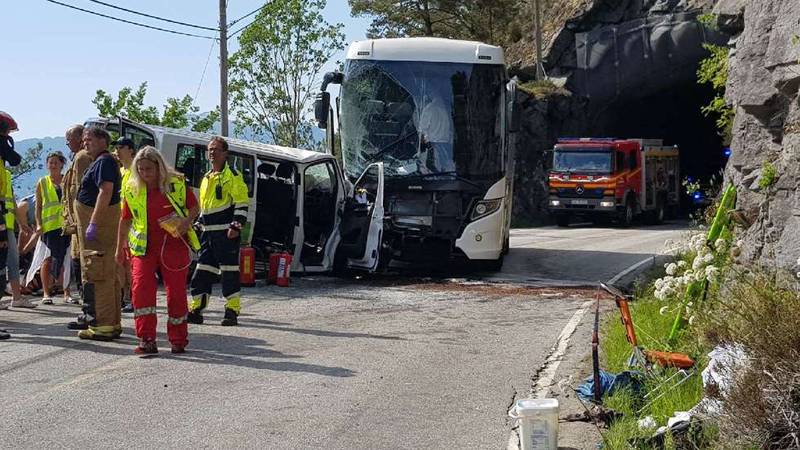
[[423, 119], [592, 161]]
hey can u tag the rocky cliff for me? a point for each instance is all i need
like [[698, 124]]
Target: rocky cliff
[[763, 87]]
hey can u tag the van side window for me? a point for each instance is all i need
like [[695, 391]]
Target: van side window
[[634, 162], [246, 165], [620, 162], [140, 138], [186, 163]]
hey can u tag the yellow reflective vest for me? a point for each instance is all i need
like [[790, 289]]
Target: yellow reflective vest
[[52, 218], [126, 175], [223, 199], [8, 198], [137, 203]]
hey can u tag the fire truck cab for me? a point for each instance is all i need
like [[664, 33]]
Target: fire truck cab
[[605, 179]]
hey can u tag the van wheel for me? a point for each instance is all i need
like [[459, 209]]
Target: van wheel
[[489, 265], [506, 245], [562, 220], [626, 215]]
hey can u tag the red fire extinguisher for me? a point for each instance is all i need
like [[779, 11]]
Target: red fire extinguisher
[[284, 269], [247, 267], [272, 273]]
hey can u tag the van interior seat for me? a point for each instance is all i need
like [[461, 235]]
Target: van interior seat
[[279, 203]]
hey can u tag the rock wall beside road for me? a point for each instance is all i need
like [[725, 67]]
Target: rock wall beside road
[[763, 87]]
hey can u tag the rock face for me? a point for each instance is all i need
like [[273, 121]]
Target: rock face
[[763, 87]]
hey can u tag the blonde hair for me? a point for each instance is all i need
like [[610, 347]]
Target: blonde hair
[[165, 171]]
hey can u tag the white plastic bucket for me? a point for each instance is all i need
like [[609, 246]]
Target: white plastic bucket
[[538, 423]]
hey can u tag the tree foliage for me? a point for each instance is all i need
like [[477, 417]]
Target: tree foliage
[[178, 113], [31, 162], [482, 20], [714, 70], [275, 71]]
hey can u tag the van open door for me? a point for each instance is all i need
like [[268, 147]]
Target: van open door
[[362, 220]]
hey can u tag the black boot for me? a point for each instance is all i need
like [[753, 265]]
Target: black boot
[[81, 323], [230, 318], [4, 335], [195, 317]]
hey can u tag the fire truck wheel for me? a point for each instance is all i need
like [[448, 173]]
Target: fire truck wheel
[[626, 216], [562, 220]]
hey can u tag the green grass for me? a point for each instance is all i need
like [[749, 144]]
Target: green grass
[[652, 329]]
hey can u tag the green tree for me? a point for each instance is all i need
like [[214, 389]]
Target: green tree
[[178, 113], [483, 20], [274, 74], [31, 162], [714, 69]]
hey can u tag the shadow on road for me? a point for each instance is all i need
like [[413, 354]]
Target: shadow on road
[[249, 322]]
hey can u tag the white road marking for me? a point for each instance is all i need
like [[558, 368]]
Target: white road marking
[[629, 270]]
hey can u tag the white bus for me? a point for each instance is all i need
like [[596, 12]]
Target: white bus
[[296, 196], [437, 114]]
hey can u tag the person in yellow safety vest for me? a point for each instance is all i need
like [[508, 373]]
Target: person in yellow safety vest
[[12, 262], [7, 154], [157, 216], [125, 149], [49, 220], [223, 214]]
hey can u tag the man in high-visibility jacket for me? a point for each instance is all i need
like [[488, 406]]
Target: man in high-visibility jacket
[[124, 150], [223, 214]]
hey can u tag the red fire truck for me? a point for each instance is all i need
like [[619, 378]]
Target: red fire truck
[[605, 179]]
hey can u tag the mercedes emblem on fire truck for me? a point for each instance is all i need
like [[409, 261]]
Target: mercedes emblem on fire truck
[[579, 189]]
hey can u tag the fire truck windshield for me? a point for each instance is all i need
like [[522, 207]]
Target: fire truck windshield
[[582, 160], [423, 119]]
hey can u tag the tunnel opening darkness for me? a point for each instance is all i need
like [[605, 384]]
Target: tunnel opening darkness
[[675, 116]]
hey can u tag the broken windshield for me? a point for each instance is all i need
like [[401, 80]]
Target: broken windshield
[[582, 161], [422, 118]]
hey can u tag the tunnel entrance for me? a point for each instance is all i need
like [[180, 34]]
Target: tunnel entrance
[[674, 115]]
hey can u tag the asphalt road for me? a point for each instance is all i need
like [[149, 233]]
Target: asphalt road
[[387, 362]]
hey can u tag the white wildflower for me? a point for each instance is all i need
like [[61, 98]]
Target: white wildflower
[[698, 263], [719, 244], [659, 284], [699, 276], [672, 268], [708, 258], [681, 264], [663, 310], [691, 320], [740, 243]]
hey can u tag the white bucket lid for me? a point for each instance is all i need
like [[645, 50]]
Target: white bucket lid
[[537, 406]]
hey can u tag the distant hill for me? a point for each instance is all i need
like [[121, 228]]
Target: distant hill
[[26, 184]]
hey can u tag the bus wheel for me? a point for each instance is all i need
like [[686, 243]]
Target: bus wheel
[[562, 220], [490, 265]]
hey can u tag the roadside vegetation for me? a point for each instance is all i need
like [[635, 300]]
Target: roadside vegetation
[[745, 307], [714, 70]]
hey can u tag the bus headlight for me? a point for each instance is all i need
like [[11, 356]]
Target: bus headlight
[[485, 207]]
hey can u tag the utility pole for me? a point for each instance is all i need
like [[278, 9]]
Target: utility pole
[[538, 19], [223, 65]]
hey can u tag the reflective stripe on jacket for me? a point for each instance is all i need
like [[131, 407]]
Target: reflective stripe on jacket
[[223, 198], [137, 236], [8, 200], [52, 218]]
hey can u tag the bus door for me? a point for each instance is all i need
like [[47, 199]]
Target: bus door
[[361, 228]]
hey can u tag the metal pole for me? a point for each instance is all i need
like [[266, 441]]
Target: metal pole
[[223, 65], [539, 66]]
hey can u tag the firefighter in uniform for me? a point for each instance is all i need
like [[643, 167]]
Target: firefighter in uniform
[[223, 214], [7, 154]]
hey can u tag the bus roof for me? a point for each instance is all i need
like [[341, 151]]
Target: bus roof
[[295, 155], [426, 49]]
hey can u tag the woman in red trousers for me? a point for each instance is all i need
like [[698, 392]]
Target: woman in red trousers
[[156, 222]]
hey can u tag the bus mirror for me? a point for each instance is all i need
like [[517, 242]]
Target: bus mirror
[[322, 106], [514, 117], [331, 78]]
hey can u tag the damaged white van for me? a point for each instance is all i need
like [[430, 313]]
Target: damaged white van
[[299, 200]]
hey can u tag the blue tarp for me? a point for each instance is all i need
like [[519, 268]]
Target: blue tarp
[[609, 383]]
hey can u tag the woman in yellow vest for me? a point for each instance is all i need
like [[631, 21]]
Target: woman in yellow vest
[[49, 220], [157, 215]]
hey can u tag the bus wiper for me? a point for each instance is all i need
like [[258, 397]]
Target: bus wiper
[[451, 172], [388, 146]]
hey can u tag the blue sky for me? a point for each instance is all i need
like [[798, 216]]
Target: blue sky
[[58, 57]]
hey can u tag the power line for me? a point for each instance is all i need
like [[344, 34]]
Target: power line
[[129, 22], [203, 76], [230, 35], [153, 17], [244, 17]]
